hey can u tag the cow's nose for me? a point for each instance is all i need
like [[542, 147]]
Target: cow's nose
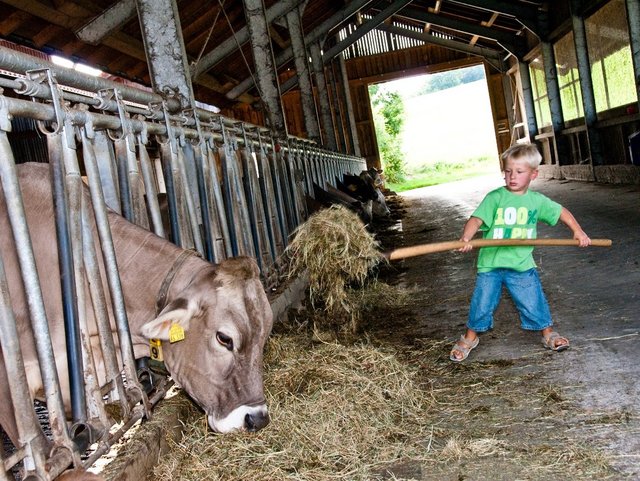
[[256, 421]]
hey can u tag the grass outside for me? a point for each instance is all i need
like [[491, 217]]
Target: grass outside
[[444, 172], [447, 136]]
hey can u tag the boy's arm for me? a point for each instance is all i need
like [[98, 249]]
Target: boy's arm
[[570, 221], [469, 230]]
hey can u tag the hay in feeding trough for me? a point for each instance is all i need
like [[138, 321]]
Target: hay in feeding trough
[[337, 413], [335, 249]]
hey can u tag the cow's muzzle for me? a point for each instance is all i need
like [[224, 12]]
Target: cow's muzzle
[[256, 421], [245, 418]]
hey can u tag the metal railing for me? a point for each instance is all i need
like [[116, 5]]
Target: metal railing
[[230, 189]]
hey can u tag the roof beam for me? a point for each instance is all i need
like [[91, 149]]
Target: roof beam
[[488, 23], [111, 19], [489, 54], [513, 9], [118, 41], [526, 15], [509, 42], [363, 29], [314, 36], [240, 37]]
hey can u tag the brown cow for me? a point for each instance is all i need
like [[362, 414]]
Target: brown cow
[[222, 308]]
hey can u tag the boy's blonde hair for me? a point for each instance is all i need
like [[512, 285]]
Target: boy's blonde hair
[[527, 152]]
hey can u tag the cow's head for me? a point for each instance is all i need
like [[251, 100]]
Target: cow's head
[[226, 318]]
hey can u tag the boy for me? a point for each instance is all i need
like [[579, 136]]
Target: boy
[[512, 212]]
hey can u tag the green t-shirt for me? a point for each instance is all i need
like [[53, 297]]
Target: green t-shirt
[[506, 215]]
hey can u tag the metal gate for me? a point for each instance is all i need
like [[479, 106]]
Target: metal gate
[[220, 187]]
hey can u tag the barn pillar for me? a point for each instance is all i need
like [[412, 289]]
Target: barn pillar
[[301, 60], [555, 107], [586, 85], [323, 98], [338, 106], [267, 77], [633, 18], [527, 96], [351, 119], [164, 46]]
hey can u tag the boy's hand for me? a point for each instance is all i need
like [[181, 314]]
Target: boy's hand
[[582, 238], [467, 247]]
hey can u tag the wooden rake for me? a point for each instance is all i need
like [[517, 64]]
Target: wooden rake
[[422, 249]]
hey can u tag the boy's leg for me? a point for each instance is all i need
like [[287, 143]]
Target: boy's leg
[[526, 291], [484, 301]]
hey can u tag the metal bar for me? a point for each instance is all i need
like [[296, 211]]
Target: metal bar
[[57, 163], [266, 193], [228, 201], [122, 162], [216, 194], [15, 61], [150, 187], [248, 169], [97, 292], [240, 202], [167, 169], [17, 218], [192, 215], [28, 428], [202, 176]]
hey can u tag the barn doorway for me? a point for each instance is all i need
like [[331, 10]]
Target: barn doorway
[[446, 130]]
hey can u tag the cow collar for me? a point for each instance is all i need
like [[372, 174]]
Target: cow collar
[[161, 298]]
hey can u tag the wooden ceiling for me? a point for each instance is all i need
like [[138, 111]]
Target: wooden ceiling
[[54, 26]]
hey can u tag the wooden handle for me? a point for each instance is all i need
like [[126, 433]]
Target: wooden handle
[[423, 249]]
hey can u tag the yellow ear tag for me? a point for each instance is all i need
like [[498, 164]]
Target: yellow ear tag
[[176, 333], [156, 349]]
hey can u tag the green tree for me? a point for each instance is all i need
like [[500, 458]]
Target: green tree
[[388, 113]]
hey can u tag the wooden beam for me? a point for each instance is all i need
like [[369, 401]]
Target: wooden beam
[[117, 41], [11, 22], [488, 23], [512, 43], [427, 69]]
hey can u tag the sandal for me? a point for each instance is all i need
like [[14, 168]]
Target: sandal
[[550, 342], [463, 346]]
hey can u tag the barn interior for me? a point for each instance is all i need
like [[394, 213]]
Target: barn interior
[[237, 112]]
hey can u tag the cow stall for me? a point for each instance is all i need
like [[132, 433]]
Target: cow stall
[[216, 188]]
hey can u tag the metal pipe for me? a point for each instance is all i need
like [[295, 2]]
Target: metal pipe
[[17, 218], [112, 274], [67, 278], [29, 432], [15, 61], [95, 285], [167, 169], [150, 187]]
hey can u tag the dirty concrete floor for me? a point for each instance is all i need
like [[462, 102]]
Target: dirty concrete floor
[[594, 295]]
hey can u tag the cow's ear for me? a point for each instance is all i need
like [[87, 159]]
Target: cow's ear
[[178, 311]]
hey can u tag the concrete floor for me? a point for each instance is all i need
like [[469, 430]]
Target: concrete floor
[[594, 295]]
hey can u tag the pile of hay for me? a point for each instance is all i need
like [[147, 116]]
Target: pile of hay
[[337, 413], [335, 249]]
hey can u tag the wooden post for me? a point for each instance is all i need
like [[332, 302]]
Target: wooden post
[[329, 135], [301, 60], [267, 79]]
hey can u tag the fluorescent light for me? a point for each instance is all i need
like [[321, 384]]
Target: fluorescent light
[[94, 72], [63, 62]]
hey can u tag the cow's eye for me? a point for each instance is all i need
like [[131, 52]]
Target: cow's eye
[[224, 340]]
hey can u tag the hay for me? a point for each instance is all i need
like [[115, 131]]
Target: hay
[[373, 411], [338, 413], [335, 249]]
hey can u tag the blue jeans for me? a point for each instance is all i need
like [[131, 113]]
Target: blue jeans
[[525, 290]]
